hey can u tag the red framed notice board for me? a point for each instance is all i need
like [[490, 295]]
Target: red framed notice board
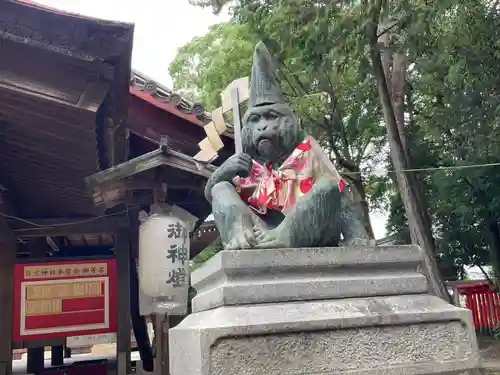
[[61, 299]]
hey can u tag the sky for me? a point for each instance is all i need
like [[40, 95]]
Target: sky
[[161, 28]]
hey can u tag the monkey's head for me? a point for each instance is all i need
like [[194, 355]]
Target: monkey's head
[[270, 129], [270, 133]]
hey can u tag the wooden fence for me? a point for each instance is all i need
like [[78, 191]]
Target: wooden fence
[[484, 302]]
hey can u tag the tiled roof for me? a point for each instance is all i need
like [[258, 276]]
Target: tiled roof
[[165, 98]]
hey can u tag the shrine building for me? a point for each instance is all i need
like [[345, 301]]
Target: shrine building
[[86, 144]]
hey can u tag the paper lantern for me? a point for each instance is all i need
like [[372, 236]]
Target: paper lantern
[[164, 258]]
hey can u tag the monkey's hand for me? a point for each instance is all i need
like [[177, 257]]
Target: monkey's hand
[[236, 165]]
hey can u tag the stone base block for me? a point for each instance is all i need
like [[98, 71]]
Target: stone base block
[[399, 335], [321, 311]]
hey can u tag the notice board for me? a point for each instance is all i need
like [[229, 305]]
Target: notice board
[[61, 299]]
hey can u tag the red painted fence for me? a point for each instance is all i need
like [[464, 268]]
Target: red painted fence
[[484, 302]]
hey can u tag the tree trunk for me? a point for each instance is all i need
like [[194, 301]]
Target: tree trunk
[[398, 90], [385, 55], [419, 233], [395, 67], [398, 81], [359, 196], [345, 161]]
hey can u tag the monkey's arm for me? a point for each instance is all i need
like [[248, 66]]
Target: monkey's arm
[[237, 164], [216, 177]]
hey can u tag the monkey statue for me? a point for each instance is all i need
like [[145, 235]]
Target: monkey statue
[[282, 191]]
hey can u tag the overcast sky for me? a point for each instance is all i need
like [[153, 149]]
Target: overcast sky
[[161, 27]]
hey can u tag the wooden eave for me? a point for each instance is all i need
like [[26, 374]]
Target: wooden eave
[[108, 188], [56, 114]]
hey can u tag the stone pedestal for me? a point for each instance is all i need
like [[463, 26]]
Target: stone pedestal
[[323, 311]]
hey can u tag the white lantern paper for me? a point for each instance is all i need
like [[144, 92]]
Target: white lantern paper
[[164, 261]]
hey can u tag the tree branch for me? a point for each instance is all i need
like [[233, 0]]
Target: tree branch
[[338, 123], [362, 150], [386, 30], [287, 75], [486, 275], [402, 22], [494, 7]]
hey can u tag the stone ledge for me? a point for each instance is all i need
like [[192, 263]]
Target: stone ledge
[[276, 260], [266, 276], [306, 288]]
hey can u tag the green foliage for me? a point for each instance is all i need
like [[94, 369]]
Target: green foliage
[[206, 254], [454, 84], [207, 64]]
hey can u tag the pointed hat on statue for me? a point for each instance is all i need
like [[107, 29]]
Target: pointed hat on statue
[[264, 86]]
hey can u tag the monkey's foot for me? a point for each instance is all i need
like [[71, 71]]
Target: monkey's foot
[[358, 242], [244, 239], [269, 239]]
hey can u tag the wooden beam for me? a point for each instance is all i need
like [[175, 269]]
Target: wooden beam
[[153, 159], [161, 328], [155, 184], [57, 355], [37, 247], [64, 226], [93, 96], [139, 323], [455, 283], [7, 261], [39, 343], [123, 320], [35, 362], [115, 193], [56, 103]]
